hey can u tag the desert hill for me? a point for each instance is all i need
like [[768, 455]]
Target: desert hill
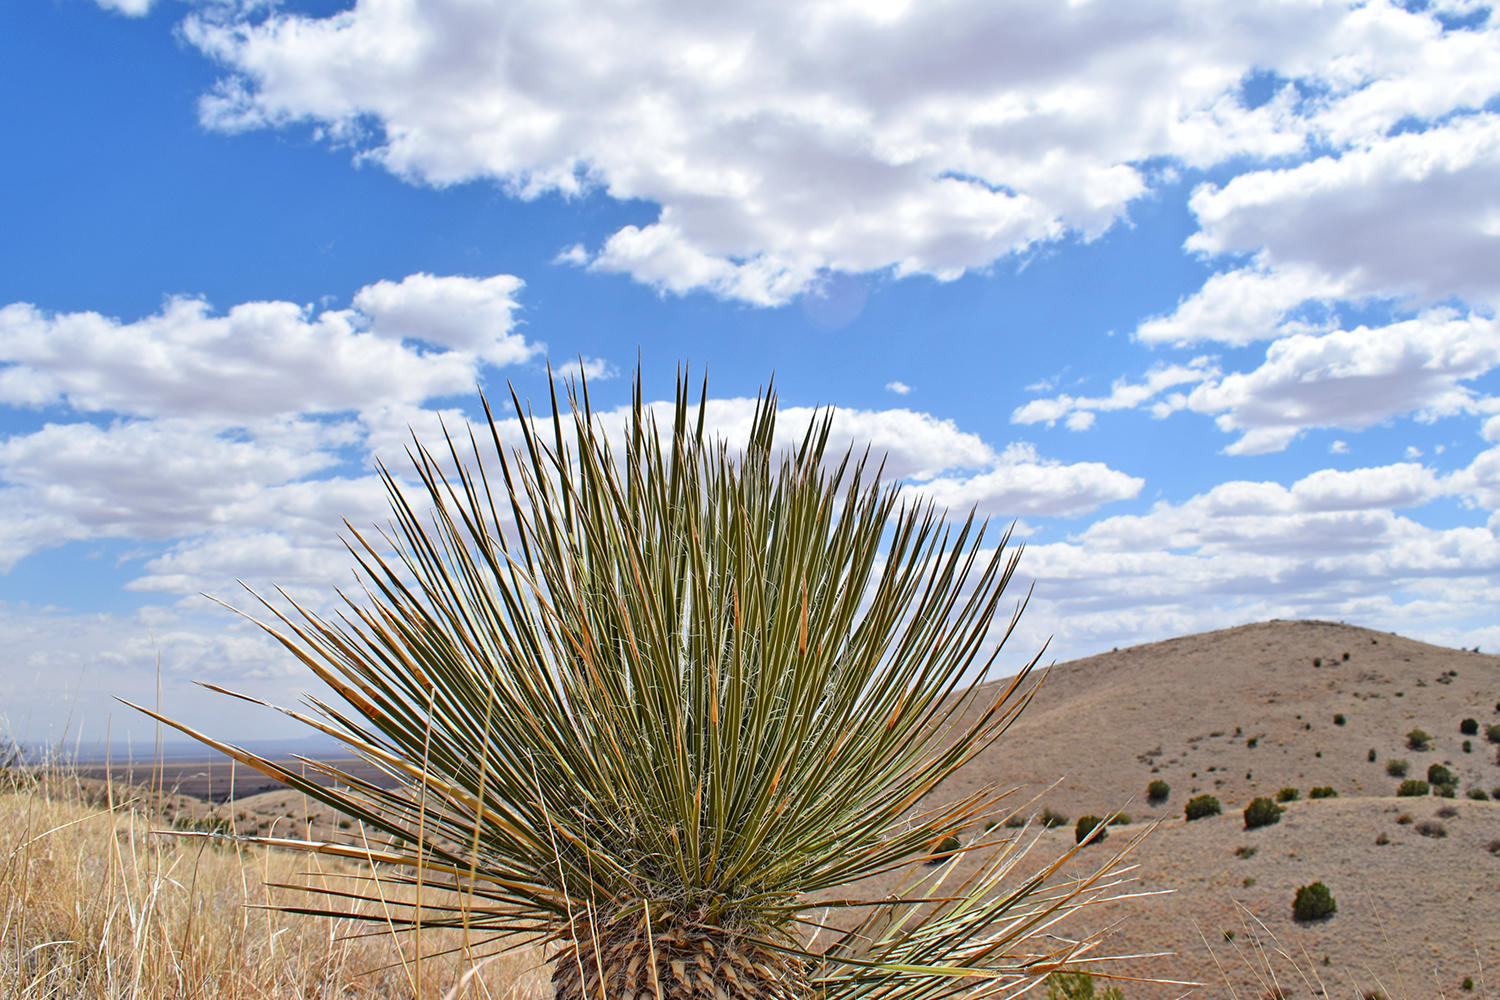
[[1244, 712], [1240, 713]]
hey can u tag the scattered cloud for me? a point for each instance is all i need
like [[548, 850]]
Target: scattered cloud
[[898, 387], [1352, 379], [1077, 412], [130, 8], [421, 337], [1240, 307], [1414, 216], [788, 142]]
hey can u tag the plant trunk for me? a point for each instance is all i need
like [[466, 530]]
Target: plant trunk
[[615, 961]]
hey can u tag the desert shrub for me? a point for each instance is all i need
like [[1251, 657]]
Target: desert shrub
[[598, 578], [1252, 741], [1493, 846], [944, 850], [1346, 656], [1287, 795], [1469, 727], [1015, 822], [1323, 792], [1382, 839], [1120, 819], [1262, 812], [1202, 805], [1413, 787], [1467, 985], [1338, 718], [1371, 755], [1468, 746], [1447, 790], [1244, 852], [1404, 819], [1437, 774], [1419, 739], [1158, 790], [1431, 828], [1313, 902], [1478, 794], [1086, 826], [1317, 661], [1398, 768], [1492, 733], [1078, 986], [1448, 812]]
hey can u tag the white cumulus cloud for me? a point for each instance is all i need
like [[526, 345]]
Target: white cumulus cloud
[[784, 141]]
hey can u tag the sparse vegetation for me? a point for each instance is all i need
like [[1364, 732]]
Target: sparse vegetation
[[1338, 718], [1437, 774], [1287, 795], [1323, 792], [1086, 826], [1313, 902], [95, 905], [1245, 852], [1419, 739], [1052, 819], [1448, 812], [1413, 787], [1201, 806], [1371, 755], [1261, 812], [1469, 727], [1078, 986], [1478, 794], [1158, 791], [1398, 767], [1431, 828], [1120, 819], [1492, 733]]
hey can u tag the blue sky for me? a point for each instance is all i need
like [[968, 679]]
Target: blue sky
[[1202, 294]]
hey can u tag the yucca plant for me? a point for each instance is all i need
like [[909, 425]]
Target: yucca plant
[[657, 701]]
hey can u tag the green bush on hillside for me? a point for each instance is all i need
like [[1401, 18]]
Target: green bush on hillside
[[1262, 812], [1158, 790], [1202, 805], [1398, 768], [1412, 787], [1469, 727], [1287, 795], [1492, 733], [1323, 792], [1077, 986], [1419, 739], [1313, 902], [1437, 774], [1085, 826]]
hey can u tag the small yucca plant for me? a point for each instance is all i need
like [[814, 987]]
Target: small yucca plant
[[655, 702]]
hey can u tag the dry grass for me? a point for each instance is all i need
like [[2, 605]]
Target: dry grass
[[96, 903]]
